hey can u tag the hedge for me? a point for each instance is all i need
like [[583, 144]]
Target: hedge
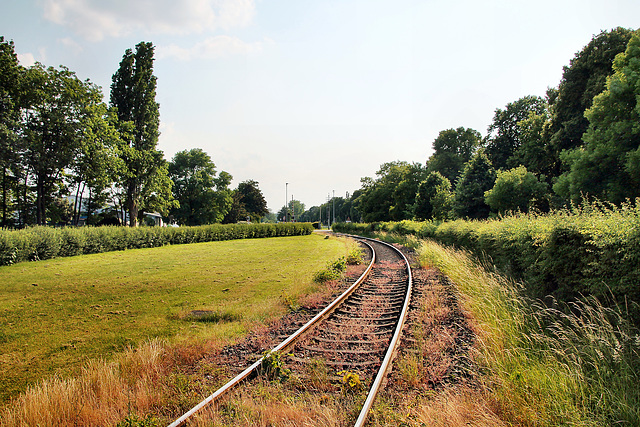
[[589, 250], [39, 243]]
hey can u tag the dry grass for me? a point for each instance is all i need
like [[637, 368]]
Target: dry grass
[[459, 406], [267, 404], [102, 395]]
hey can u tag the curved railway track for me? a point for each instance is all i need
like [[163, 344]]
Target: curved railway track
[[358, 332]]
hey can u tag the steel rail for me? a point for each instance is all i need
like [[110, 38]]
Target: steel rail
[[280, 347], [386, 362]]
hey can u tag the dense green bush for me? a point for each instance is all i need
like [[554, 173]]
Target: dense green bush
[[593, 249], [38, 243]]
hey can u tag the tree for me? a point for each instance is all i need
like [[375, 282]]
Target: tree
[[203, 197], [57, 106], [96, 164], [477, 177], [434, 198], [10, 73], [535, 151], [292, 212], [582, 80], [248, 203], [504, 134], [253, 200], [515, 190], [452, 149], [390, 197], [607, 166], [133, 93]]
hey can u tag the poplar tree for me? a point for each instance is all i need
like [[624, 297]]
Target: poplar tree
[[144, 172]]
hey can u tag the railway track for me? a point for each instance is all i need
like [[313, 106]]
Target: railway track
[[357, 333]]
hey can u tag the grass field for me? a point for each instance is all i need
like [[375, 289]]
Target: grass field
[[55, 315]]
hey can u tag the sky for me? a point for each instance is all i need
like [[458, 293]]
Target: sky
[[307, 97]]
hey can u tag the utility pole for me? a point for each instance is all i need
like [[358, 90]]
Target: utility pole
[[286, 200], [334, 205]]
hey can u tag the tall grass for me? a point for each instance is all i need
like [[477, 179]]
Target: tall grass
[[103, 394], [545, 366]]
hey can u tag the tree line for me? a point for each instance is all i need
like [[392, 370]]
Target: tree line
[[581, 141], [66, 154]]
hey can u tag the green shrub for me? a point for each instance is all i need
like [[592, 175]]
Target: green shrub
[[333, 271], [592, 249], [39, 243]]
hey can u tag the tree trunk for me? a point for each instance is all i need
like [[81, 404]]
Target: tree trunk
[[4, 197], [40, 214], [75, 216], [89, 206], [132, 205]]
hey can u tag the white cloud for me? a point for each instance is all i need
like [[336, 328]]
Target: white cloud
[[213, 47], [97, 19], [26, 59]]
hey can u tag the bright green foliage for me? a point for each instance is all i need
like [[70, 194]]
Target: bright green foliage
[[504, 141], [515, 190], [132, 420], [452, 149], [581, 82], [590, 250], [434, 198], [477, 178], [333, 271], [273, 366], [607, 166], [143, 177], [392, 194], [204, 197]]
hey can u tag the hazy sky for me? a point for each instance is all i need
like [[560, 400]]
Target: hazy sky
[[317, 93]]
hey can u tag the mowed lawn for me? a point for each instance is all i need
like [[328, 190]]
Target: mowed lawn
[[57, 314]]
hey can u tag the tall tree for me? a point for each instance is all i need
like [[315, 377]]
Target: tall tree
[[57, 106], [504, 139], [10, 73], [477, 177], [133, 94], [607, 167], [203, 195], [452, 149], [582, 80]]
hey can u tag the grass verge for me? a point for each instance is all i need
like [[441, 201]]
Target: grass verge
[[58, 315]]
